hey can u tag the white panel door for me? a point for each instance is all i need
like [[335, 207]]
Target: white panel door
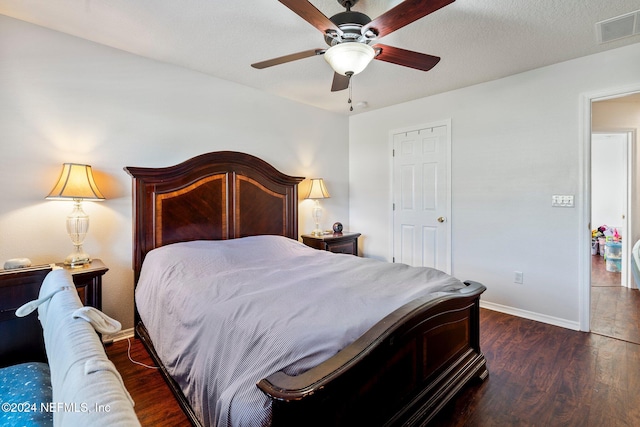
[[421, 198]]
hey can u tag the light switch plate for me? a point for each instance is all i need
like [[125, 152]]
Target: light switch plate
[[562, 201]]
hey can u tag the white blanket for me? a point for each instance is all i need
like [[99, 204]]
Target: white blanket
[[225, 314], [87, 388]]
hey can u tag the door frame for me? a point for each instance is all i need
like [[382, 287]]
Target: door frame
[[584, 222], [447, 223]]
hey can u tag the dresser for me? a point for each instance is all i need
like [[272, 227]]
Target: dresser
[[21, 337]]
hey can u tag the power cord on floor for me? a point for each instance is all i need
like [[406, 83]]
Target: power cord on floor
[[136, 362]]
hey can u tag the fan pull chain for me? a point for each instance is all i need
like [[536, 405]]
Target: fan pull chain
[[350, 93]]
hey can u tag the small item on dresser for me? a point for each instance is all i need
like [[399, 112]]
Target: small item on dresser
[[13, 263], [337, 228]]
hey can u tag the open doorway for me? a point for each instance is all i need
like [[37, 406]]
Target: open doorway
[[611, 172], [615, 211]]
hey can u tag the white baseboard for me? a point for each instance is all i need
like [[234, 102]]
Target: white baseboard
[[563, 323], [122, 335]]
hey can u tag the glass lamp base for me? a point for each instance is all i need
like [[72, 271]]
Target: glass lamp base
[[77, 258], [316, 213], [77, 227]]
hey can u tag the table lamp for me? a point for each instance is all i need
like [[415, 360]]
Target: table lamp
[[76, 183], [317, 191]]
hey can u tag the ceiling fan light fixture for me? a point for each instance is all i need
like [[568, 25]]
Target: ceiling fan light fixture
[[349, 58]]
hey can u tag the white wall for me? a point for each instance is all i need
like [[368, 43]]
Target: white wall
[[63, 99], [515, 143]]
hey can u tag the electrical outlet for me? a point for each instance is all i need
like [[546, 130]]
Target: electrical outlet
[[518, 278]]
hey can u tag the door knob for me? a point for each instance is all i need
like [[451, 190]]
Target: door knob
[[441, 219]]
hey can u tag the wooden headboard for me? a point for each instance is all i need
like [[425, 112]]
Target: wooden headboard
[[214, 196]]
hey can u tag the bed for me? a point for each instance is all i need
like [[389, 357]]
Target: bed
[[396, 363]]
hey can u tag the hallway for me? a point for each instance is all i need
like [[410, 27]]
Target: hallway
[[615, 309]]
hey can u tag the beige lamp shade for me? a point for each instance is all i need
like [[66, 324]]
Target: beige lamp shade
[[76, 182], [317, 190]]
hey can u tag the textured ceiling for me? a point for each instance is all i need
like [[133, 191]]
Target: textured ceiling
[[478, 41]]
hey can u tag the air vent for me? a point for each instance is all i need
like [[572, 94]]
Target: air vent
[[619, 27]]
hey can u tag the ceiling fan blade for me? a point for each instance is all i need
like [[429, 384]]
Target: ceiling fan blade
[[406, 58], [403, 14], [312, 15], [340, 82], [287, 58]]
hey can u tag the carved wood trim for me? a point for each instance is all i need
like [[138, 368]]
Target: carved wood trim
[[161, 197]]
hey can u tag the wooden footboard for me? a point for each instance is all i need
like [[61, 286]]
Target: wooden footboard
[[401, 372]]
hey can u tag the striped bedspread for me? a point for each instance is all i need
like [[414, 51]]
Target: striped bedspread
[[224, 314]]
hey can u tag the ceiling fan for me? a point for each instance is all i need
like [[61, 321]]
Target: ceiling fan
[[352, 37]]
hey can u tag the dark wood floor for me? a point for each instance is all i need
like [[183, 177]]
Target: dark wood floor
[[600, 277], [543, 375], [155, 404], [615, 309], [540, 375]]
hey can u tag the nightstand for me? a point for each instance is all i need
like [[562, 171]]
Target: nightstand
[[88, 281], [21, 337], [343, 243]]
